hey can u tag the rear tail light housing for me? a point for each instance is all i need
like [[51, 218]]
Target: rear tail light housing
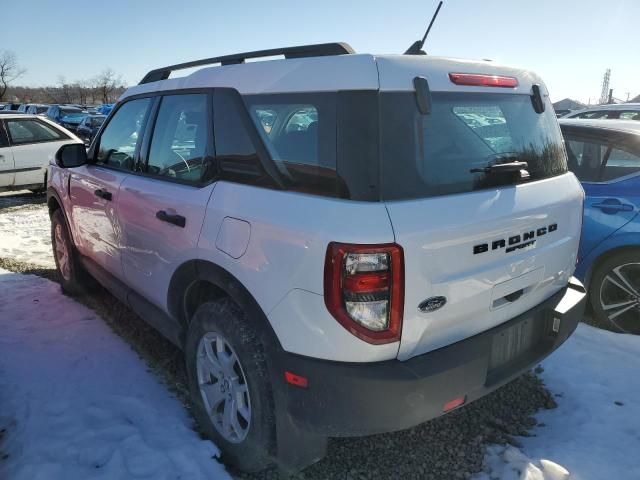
[[481, 80], [364, 289]]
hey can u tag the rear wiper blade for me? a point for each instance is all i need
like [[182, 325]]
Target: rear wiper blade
[[506, 167]]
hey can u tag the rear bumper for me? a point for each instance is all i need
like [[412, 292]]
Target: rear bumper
[[348, 399]]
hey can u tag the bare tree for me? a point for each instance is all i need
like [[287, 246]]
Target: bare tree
[[106, 83], [65, 90], [9, 71]]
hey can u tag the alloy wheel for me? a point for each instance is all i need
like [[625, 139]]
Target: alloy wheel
[[620, 297], [62, 253], [223, 387]]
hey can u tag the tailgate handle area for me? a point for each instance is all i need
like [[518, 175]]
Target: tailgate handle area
[[512, 297]]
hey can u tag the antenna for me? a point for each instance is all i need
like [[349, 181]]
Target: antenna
[[416, 48]]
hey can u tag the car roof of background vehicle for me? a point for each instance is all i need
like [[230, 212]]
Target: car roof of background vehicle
[[332, 72], [626, 126], [609, 106], [20, 115]]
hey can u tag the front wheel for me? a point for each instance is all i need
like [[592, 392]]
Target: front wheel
[[615, 292], [73, 279], [229, 384]]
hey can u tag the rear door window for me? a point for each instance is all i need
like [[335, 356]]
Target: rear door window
[[622, 161], [180, 138], [631, 115], [585, 156], [22, 132]]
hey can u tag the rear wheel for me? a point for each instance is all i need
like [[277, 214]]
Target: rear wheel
[[615, 292], [229, 384]]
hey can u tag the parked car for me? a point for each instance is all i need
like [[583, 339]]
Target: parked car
[[605, 156], [27, 144], [23, 108], [622, 111], [104, 109], [55, 113], [89, 126], [385, 250], [72, 120], [11, 106], [37, 109]]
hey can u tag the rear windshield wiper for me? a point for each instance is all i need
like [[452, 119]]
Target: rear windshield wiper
[[502, 167]]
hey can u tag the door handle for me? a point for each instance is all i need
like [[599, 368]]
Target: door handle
[[177, 220], [103, 194], [613, 207]]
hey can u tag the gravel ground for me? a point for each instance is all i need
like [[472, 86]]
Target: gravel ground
[[449, 447]]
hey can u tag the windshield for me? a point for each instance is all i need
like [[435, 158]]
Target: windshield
[[425, 155]]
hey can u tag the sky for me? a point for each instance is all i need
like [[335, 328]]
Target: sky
[[570, 43]]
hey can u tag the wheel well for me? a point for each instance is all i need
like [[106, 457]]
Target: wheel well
[[197, 293], [53, 205], [607, 255], [199, 281]]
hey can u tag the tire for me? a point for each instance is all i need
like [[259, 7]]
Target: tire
[[615, 292], [222, 324], [73, 279]]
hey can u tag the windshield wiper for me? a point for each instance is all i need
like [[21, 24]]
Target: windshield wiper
[[502, 167]]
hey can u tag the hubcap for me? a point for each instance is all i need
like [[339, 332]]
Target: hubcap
[[62, 253], [620, 297], [223, 387]]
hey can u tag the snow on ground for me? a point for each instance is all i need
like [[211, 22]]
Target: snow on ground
[[26, 231], [595, 431], [78, 403]]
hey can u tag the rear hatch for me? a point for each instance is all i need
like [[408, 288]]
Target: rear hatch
[[480, 247]]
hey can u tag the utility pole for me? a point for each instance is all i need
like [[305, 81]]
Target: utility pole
[[604, 95]]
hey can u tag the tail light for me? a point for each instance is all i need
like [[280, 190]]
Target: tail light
[[478, 80], [364, 289]]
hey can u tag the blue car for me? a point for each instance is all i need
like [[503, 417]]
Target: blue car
[[66, 115], [605, 156]]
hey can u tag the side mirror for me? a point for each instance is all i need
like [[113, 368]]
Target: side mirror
[[71, 155]]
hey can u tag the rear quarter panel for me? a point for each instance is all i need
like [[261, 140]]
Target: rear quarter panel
[[283, 263]]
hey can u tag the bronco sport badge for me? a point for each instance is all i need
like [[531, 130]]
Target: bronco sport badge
[[516, 242]]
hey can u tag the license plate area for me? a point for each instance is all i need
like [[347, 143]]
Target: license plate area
[[514, 344]]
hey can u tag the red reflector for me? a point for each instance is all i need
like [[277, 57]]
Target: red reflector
[[366, 282], [478, 80], [456, 402], [296, 380]]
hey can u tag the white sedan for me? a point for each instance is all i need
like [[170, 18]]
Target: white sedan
[[27, 144]]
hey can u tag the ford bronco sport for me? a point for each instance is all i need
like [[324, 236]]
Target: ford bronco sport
[[343, 244]]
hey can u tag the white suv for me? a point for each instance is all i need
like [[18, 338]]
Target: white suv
[[342, 244]]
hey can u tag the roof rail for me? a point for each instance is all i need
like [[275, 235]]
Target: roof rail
[[318, 50]]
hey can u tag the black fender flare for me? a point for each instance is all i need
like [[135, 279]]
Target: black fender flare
[[194, 271]]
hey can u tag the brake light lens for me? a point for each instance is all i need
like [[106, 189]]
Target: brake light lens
[[364, 289], [479, 80]]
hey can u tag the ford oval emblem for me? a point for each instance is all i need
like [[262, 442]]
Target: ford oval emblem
[[432, 304]]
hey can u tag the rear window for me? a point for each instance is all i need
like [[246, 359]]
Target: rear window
[[426, 155], [69, 111]]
